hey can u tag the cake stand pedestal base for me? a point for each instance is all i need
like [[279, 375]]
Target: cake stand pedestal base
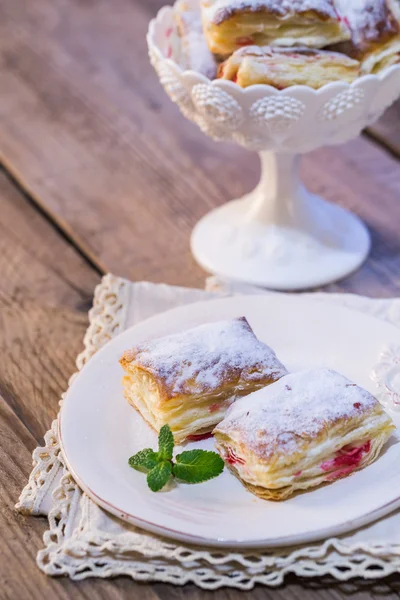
[[280, 236]]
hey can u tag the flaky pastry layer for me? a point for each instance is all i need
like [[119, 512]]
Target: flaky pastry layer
[[288, 453], [189, 380], [375, 32], [231, 24], [187, 415], [282, 68]]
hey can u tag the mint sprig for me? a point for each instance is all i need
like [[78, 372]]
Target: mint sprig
[[195, 466], [159, 475], [191, 466], [144, 460], [165, 443]]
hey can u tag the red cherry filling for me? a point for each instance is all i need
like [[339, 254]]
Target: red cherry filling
[[199, 437], [244, 41], [232, 458], [343, 19], [346, 460], [214, 407]]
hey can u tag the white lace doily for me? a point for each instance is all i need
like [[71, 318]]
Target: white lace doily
[[85, 541]]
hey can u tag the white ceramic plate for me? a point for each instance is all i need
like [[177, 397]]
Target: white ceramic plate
[[99, 431]]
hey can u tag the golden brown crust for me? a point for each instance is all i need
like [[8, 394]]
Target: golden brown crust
[[284, 67], [187, 414], [229, 12], [283, 493], [189, 380], [205, 360], [375, 32], [372, 24], [309, 428], [276, 493], [385, 62], [231, 24], [309, 9]]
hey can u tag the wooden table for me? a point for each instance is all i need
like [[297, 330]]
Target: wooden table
[[101, 173]]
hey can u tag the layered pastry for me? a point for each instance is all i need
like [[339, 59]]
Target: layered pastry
[[194, 52], [231, 24], [284, 67], [308, 428], [189, 379], [375, 32]]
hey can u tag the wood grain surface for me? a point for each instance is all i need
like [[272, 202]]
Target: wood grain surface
[[91, 135], [102, 173], [387, 130]]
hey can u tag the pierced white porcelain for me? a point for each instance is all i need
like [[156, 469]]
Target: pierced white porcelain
[[318, 242]]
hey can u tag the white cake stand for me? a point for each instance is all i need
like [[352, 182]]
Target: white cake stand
[[279, 235]]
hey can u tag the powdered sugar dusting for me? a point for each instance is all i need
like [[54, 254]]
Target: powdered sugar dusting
[[195, 53], [367, 19], [200, 360], [297, 407], [198, 56], [219, 10]]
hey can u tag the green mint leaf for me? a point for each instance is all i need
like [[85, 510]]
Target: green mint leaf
[[159, 475], [165, 443], [195, 466], [145, 460]]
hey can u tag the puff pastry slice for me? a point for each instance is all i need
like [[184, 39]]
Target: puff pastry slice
[[284, 67], [375, 32], [189, 379], [231, 24], [307, 429]]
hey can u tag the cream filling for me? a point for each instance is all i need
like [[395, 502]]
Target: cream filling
[[307, 470], [185, 415]]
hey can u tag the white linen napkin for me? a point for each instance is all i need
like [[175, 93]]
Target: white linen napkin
[[85, 541]]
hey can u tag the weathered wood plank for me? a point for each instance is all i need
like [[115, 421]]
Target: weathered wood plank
[[45, 291], [387, 130], [86, 128], [84, 117], [367, 181], [50, 283], [21, 537]]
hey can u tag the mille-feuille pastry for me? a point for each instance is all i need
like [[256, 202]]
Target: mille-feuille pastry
[[306, 429], [189, 379], [283, 67], [375, 32], [231, 24], [194, 52]]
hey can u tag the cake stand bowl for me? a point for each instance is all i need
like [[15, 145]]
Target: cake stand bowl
[[280, 235]]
